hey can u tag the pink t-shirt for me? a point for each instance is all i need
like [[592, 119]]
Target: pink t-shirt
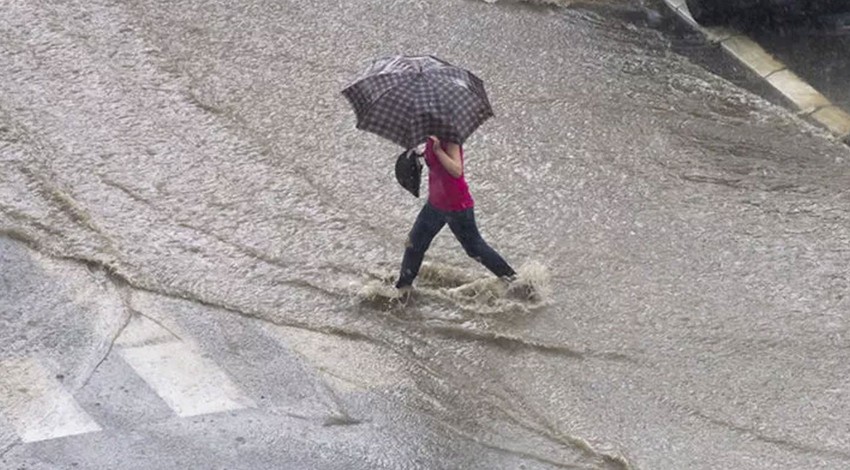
[[445, 192]]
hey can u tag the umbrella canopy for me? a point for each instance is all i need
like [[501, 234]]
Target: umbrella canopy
[[407, 98]]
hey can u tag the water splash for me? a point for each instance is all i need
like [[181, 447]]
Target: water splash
[[464, 291]]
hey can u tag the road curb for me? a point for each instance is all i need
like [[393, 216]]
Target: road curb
[[810, 102]]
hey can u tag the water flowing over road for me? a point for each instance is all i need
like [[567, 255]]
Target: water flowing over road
[[198, 154]]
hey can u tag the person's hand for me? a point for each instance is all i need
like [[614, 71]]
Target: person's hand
[[434, 140]]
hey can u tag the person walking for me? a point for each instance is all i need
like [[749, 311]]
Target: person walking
[[413, 99], [449, 202]]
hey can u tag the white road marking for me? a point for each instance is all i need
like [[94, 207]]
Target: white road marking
[[189, 383], [37, 405], [141, 331], [347, 365]]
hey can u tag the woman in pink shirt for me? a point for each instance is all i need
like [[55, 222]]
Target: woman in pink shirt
[[449, 202]]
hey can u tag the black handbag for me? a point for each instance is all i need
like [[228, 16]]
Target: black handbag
[[408, 171]]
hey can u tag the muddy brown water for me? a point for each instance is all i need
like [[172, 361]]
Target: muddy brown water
[[693, 235]]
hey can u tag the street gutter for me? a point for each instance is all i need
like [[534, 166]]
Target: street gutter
[[810, 103]]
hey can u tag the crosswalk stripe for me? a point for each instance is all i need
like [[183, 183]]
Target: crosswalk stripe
[[37, 405], [189, 383], [346, 364], [142, 331]]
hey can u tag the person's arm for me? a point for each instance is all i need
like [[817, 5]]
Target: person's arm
[[449, 158]]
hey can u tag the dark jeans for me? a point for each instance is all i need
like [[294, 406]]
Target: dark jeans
[[462, 223]]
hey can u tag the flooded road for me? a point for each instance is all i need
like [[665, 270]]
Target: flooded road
[[695, 235]]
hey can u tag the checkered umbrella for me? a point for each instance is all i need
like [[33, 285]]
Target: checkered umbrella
[[407, 98]]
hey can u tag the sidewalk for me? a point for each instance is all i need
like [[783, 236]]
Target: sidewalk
[[809, 102]]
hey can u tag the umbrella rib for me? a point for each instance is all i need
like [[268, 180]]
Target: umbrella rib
[[372, 103], [426, 96], [471, 88]]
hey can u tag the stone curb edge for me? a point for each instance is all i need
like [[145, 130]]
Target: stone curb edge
[[810, 103]]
